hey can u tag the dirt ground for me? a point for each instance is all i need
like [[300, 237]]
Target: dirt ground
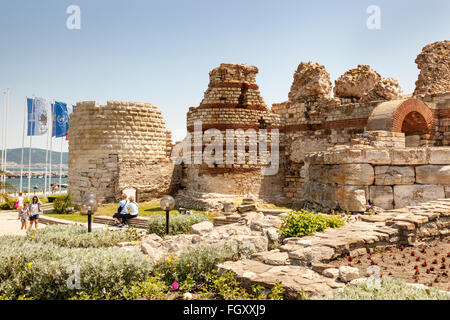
[[427, 263]]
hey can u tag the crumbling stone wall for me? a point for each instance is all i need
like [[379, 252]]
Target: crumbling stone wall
[[117, 146], [377, 169], [434, 65], [313, 121], [231, 102]]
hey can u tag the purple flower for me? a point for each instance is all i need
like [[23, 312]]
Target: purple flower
[[356, 218], [368, 206], [343, 215], [175, 286]]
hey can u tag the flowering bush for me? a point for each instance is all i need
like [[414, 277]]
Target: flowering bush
[[195, 264], [178, 223], [302, 223], [77, 236], [42, 270]]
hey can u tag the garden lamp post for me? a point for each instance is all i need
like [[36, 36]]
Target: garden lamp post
[[89, 207], [167, 203]]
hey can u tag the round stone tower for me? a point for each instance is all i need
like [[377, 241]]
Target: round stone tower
[[233, 117], [123, 145]]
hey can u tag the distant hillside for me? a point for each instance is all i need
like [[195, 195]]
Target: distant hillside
[[37, 156]]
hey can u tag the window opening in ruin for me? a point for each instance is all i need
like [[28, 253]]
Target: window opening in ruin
[[244, 90], [414, 126]]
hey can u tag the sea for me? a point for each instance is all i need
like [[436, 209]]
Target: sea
[[35, 181]]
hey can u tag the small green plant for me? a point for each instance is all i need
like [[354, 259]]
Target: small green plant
[[303, 223], [276, 292], [152, 289], [179, 223], [62, 203]]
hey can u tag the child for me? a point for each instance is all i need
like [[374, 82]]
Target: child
[[24, 216]]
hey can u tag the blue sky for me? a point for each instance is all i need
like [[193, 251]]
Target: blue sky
[[161, 51]]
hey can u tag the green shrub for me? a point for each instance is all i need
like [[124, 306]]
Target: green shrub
[[196, 263], [77, 236], [389, 289], [302, 223], [178, 223], [41, 270], [151, 289], [62, 203], [8, 204]]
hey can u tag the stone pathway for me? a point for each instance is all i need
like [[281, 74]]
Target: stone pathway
[[9, 225]]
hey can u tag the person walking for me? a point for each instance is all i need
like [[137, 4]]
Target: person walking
[[35, 209], [121, 211], [24, 216], [19, 203]]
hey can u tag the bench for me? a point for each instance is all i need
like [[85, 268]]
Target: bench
[[140, 223]]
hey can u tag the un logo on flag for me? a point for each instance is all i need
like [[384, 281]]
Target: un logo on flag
[[61, 119]]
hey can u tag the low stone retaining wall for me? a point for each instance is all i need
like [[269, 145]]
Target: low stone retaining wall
[[350, 177]]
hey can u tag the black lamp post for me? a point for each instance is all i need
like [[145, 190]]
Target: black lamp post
[[89, 207], [167, 203]]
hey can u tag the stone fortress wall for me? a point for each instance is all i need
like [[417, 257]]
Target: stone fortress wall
[[231, 102], [363, 101], [118, 146], [377, 169], [108, 154]]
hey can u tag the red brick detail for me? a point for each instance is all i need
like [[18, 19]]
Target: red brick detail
[[238, 85], [443, 113], [414, 121], [208, 170], [269, 148], [335, 124], [225, 126], [232, 106]]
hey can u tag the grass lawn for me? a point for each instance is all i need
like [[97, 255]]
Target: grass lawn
[[146, 209]]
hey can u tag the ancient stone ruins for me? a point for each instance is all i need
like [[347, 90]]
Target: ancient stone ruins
[[368, 144]]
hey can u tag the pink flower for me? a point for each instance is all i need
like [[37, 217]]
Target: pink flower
[[368, 206], [356, 218], [343, 215], [175, 286]]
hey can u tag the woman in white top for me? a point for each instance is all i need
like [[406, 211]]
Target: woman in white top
[[133, 210], [20, 200], [35, 208]]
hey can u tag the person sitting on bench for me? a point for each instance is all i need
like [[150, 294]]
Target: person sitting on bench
[[122, 210], [133, 209]]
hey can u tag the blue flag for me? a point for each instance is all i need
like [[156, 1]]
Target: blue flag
[[60, 117], [37, 116]]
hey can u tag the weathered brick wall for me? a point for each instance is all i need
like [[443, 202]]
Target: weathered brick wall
[[379, 170], [232, 101], [117, 146]]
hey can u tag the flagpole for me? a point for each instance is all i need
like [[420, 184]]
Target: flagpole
[[23, 143], [60, 164], [6, 139], [3, 138], [52, 105], [46, 154], [32, 129]]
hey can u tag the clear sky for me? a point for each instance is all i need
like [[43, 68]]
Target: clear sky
[[161, 51]]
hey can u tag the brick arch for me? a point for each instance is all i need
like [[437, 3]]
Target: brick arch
[[396, 115]]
